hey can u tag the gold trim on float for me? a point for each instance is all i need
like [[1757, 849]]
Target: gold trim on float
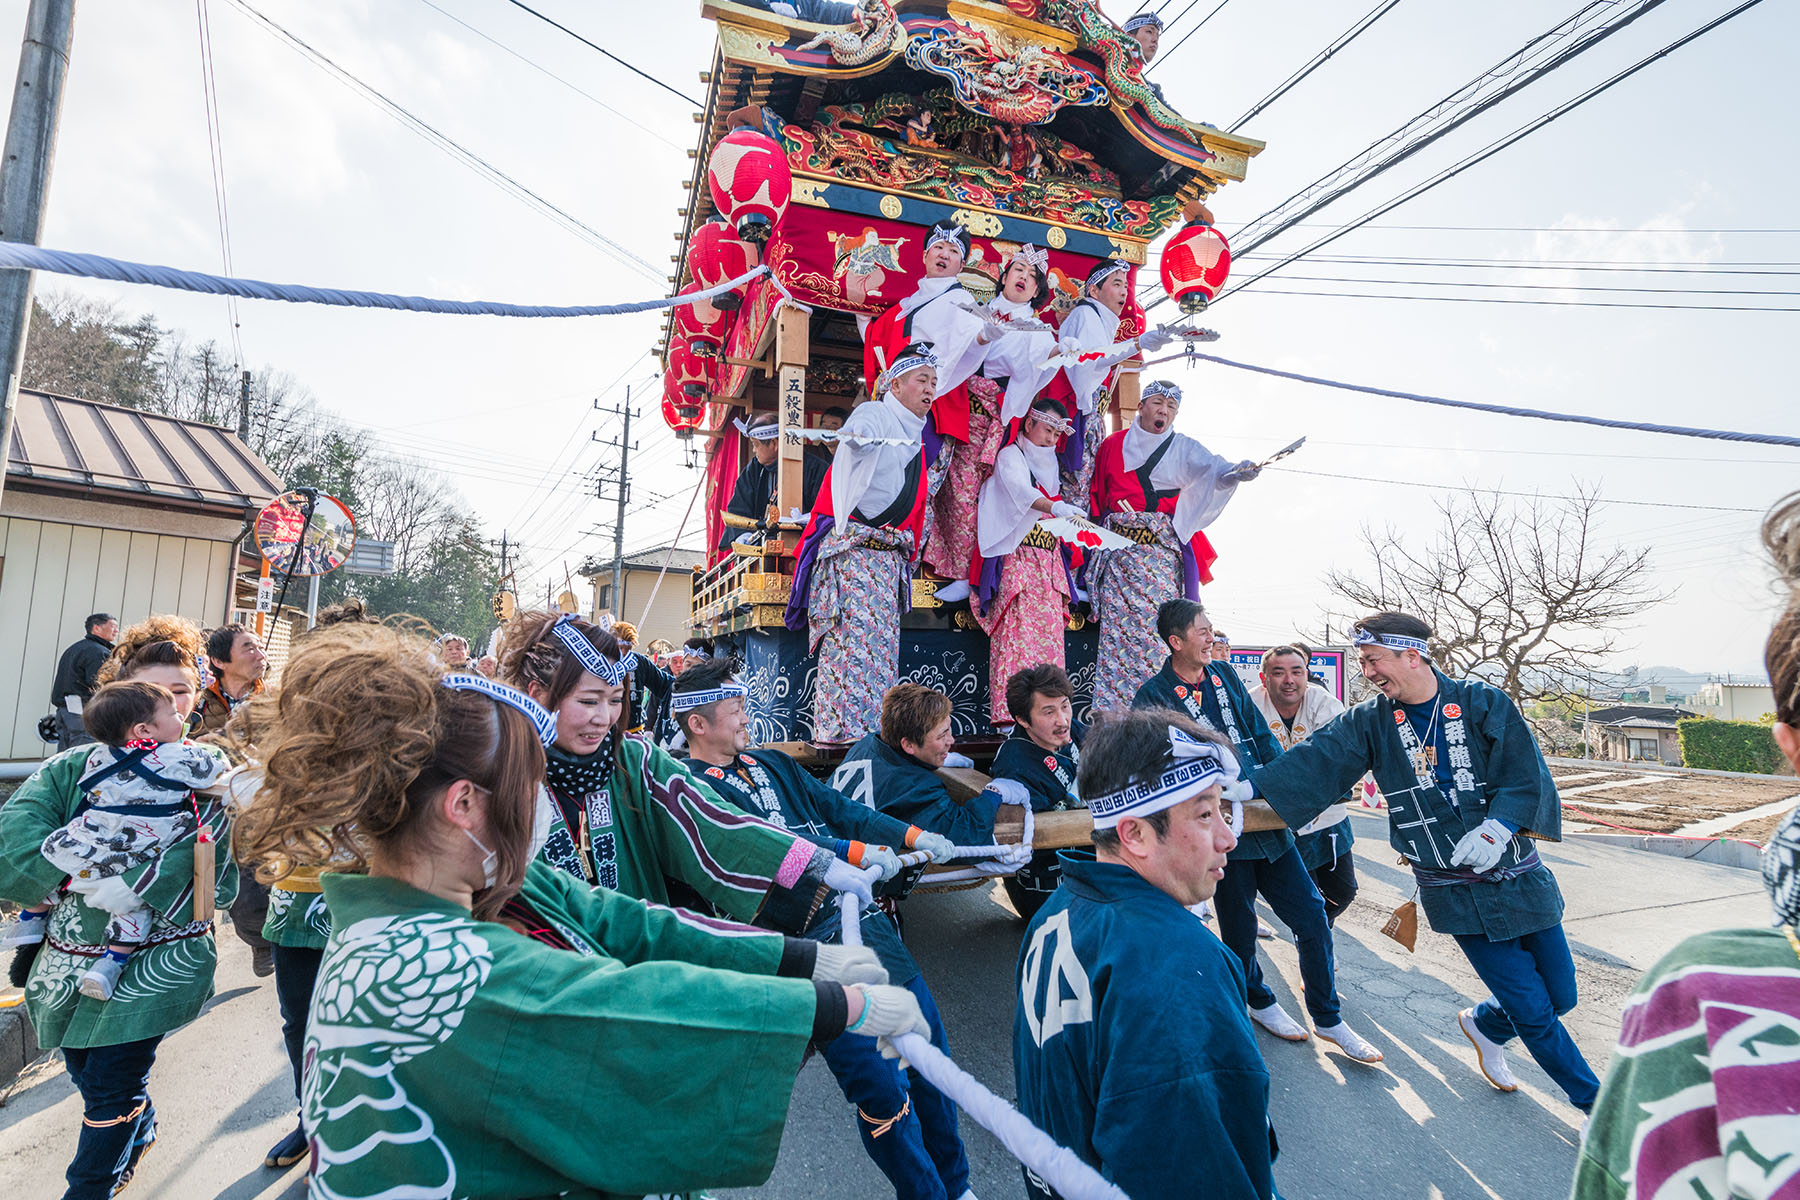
[[1127, 246]]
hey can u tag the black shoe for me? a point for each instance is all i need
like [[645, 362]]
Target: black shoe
[[137, 1156], [289, 1150], [262, 960]]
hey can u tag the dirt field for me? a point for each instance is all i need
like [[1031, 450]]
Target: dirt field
[[1697, 805]]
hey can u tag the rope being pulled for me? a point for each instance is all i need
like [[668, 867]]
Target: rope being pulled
[[1072, 1178], [97, 266], [1056, 1166], [1504, 410]]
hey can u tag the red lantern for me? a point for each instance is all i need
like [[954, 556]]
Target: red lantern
[[715, 257], [1195, 265], [687, 386], [701, 323], [750, 182]]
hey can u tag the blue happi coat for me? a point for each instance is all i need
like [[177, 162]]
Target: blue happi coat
[[782, 792], [1488, 765], [1132, 1043], [1252, 744], [1049, 776], [898, 784]]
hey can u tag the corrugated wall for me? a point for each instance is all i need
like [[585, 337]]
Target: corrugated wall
[[52, 575]]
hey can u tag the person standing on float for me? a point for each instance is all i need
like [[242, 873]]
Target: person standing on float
[[1090, 330], [1160, 489], [935, 316], [853, 570], [1020, 573], [1011, 376]]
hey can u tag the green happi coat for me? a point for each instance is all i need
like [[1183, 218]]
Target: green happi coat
[[652, 821], [168, 979], [451, 1057], [297, 919]]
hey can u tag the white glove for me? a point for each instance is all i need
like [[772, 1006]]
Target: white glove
[[882, 859], [1237, 818], [1482, 848], [748, 537], [1010, 791], [888, 1012], [1068, 346], [953, 759], [847, 965], [1062, 508], [1244, 472], [1154, 339], [941, 848], [842, 877], [111, 894]]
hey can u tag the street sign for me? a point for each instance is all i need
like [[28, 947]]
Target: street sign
[[370, 557], [265, 594]]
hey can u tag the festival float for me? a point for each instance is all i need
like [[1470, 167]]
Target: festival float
[[826, 153]]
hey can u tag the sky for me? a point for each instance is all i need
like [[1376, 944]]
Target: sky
[[1672, 168]]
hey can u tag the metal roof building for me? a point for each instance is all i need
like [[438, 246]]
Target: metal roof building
[[110, 509]]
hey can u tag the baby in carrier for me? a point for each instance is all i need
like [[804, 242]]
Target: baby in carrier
[[138, 801]]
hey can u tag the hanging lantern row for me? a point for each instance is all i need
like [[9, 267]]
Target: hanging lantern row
[[703, 325], [714, 257], [1195, 265]]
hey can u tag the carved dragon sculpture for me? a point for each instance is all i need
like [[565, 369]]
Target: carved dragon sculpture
[[870, 35]]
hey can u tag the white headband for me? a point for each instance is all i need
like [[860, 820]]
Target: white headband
[[1198, 765], [903, 364], [1135, 23], [767, 431], [1104, 269], [1393, 641], [542, 719], [1045, 417], [685, 701], [1034, 256], [948, 233], [1161, 387], [564, 631]]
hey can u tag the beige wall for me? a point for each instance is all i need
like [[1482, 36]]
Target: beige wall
[[1736, 701], [54, 573], [668, 615]]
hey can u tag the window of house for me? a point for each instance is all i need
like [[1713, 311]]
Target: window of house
[[1643, 748]]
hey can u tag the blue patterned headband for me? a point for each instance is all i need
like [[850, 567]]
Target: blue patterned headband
[[591, 660], [948, 233], [542, 719], [1198, 765], [1161, 387], [1393, 641], [1135, 23], [686, 701], [906, 362], [1104, 268]]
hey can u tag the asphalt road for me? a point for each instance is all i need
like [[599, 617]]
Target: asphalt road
[[1423, 1126]]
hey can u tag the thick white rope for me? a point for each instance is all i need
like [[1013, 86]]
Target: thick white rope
[[1055, 1165]]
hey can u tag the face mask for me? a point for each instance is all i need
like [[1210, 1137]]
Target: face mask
[[490, 862], [542, 822]]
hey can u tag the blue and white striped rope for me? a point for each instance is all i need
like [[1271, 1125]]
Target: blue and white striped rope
[[1504, 410], [97, 266]]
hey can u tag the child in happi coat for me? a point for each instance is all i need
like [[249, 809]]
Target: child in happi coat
[[139, 785]]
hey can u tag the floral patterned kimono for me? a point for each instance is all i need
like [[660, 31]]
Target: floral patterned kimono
[[1021, 578]]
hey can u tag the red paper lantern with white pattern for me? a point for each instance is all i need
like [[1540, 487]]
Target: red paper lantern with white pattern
[[715, 257], [687, 386], [1195, 265], [750, 182], [701, 323]]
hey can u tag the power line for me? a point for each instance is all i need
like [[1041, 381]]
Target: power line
[[1318, 60], [1502, 300], [602, 49], [1553, 228], [1525, 264], [543, 70], [215, 146], [1449, 487], [453, 148], [1164, 57], [1544, 287], [1506, 78], [1495, 147]]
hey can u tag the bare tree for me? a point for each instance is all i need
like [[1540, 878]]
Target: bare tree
[[1518, 592]]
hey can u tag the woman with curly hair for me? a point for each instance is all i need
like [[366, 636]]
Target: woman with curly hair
[[635, 817], [109, 1046], [488, 1026], [1703, 1094]]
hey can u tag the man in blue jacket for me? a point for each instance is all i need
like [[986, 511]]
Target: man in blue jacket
[[1116, 951], [1210, 694]]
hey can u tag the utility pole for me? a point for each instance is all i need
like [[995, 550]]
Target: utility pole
[[621, 480], [244, 408], [25, 178]]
